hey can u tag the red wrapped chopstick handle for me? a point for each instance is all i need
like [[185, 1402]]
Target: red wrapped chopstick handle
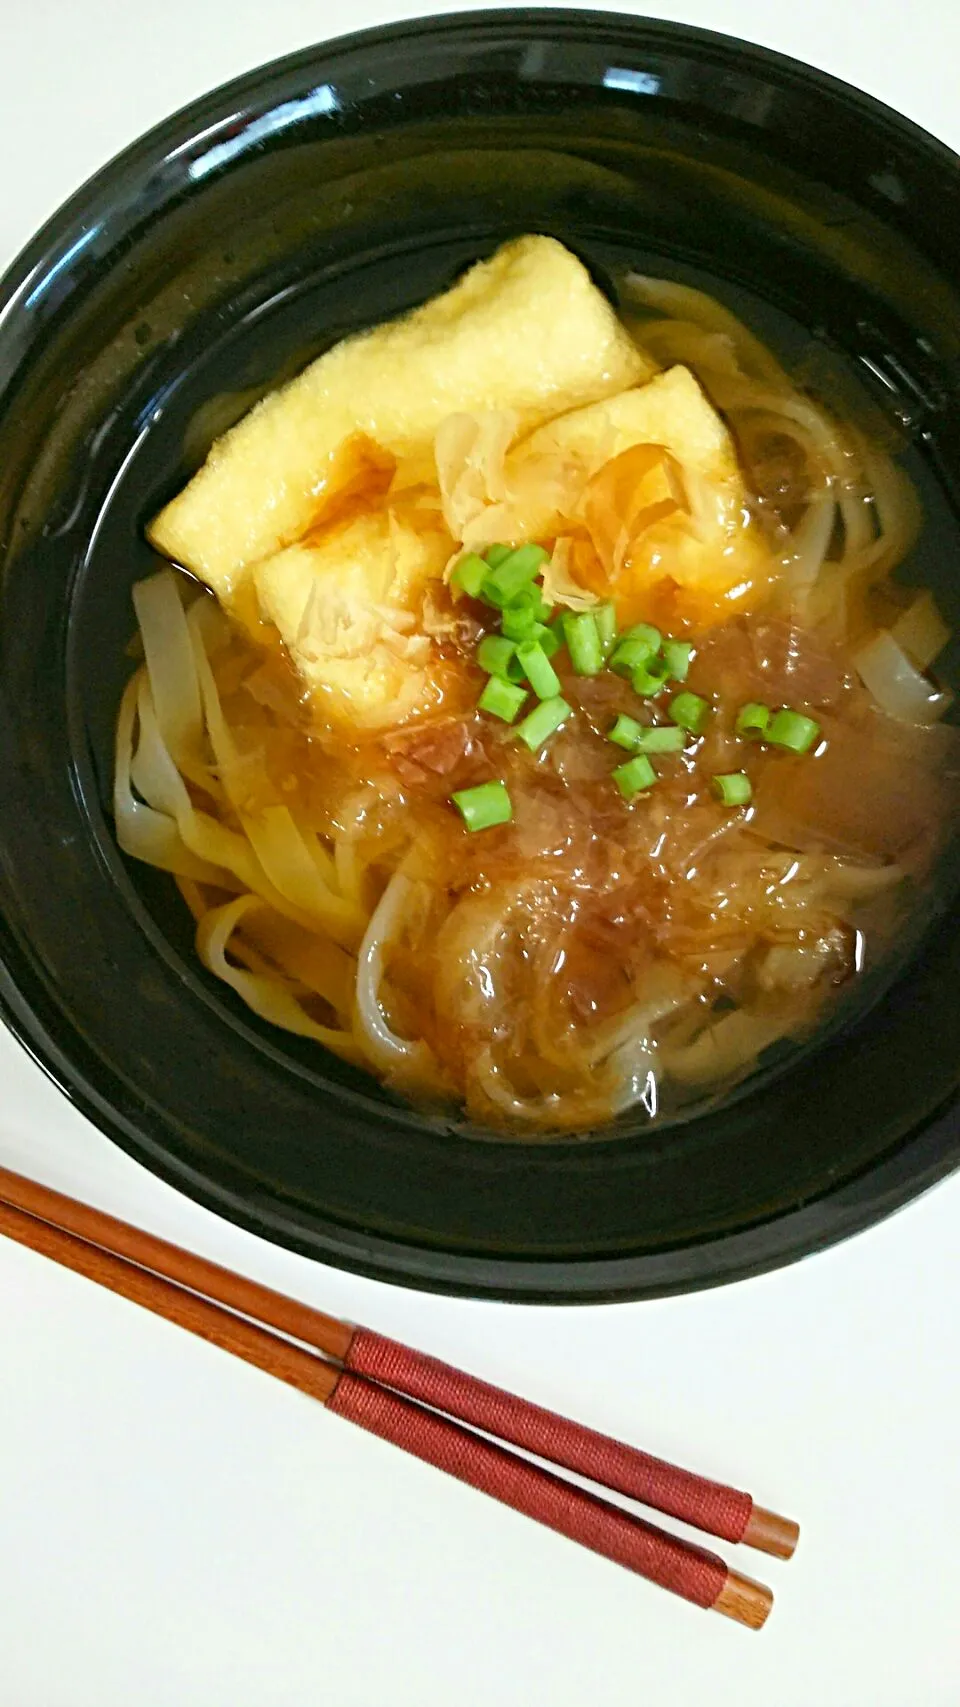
[[677, 1565], [707, 1505]]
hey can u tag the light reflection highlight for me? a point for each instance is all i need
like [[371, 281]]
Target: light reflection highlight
[[68, 256], [324, 99], [632, 82]]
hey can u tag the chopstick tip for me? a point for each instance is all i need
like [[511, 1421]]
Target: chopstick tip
[[770, 1533], [745, 1601]]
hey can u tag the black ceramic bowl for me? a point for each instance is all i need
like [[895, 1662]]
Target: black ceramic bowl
[[317, 196]]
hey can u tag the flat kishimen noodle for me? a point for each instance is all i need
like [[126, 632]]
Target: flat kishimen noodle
[[556, 740]]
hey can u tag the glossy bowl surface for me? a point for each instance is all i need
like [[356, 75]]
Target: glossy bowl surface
[[319, 195]]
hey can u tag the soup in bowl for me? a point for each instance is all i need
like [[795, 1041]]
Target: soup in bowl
[[561, 739]]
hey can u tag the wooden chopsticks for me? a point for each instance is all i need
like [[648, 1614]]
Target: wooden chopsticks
[[400, 1394]]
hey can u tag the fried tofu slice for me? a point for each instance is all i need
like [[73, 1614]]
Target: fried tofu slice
[[526, 331], [560, 476], [671, 410], [345, 604], [546, 472]]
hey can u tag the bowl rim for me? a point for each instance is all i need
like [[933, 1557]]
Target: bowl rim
[[918, 1161], [563, 20]]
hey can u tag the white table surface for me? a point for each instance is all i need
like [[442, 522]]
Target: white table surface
[[176, 1530]]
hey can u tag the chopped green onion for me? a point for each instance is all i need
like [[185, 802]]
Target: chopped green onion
[[632, 651], [626, 732], [538, 670], [635, 776], [502, 699], [646, 632], [525, 610], [753, 718], [689, 711], [583, 643], [519, 622], [550, 638], [470, 574], [497, 554], [649, 678], [542, 722], [482, 807], [664, 738], [676, 656], [498, 656], [733, 789], [792, 730], [605, 617], [531, 593], [513, 574], [646, 738]]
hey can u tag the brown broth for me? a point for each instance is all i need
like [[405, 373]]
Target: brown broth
[[602, 894], [533, 955]]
